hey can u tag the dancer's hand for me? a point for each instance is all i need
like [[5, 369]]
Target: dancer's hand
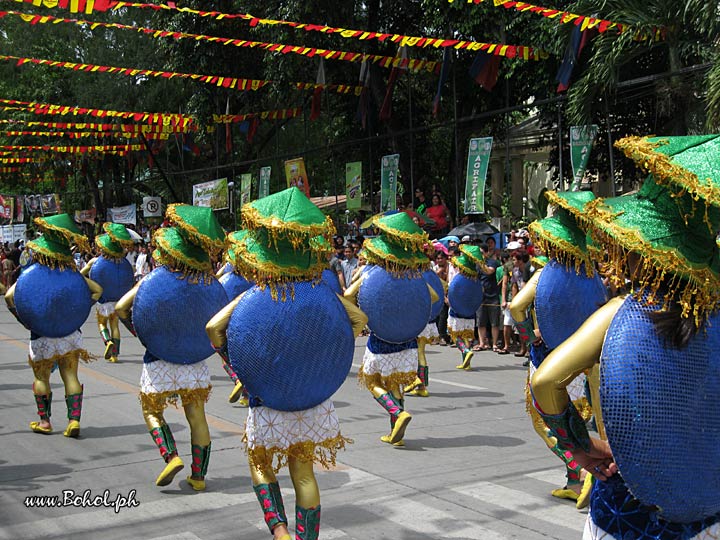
[[598, 461]]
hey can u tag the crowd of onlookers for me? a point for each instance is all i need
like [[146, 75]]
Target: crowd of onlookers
[[10, 261]]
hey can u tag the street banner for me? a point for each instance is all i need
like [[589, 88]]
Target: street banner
[[264, 184], [7, 208], [86, 216], [19, 232], [50, 203], [296, 175], [213, 194], [33, 205], [245, 188], [477, 166], [20, 209], [581, 141], [123, 214], [388, 182], [152, 207], [353, 185]]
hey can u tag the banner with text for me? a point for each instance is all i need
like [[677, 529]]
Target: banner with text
[[581, 141], [353, 185], [296, 175], [477, 166], [123, 214], [245, 188], [213, 194], [7, 208], [388, 182], [264, 184], [86, 216]]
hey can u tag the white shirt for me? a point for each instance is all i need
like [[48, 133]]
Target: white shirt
[[142, 267]]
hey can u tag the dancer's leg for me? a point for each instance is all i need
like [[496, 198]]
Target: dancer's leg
[[200, 441], [163, 438], [269, 496], [307, 499], [68, 367], [43, 396]]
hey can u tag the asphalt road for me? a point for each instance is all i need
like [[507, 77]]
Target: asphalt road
[[472, 467]]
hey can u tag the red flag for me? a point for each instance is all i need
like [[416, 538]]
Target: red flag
[[484, 70], [386, 109], [228, 131], [317, 93]]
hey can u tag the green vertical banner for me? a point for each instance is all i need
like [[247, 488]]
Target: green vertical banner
[[477, 166], [245, 188], [581, 141], [353, 185], [388, 182], [264, 185]]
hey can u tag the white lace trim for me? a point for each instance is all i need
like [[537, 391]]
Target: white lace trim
[[44, 348], [430, 331], [386, 364], [105, 309], [270, 428], [593, 532], [162, 376], [457, 324]]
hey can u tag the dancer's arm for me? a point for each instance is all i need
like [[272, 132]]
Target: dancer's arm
[[86, 269], [358, 319], [95, 289], [217, 326], [352, 291], [523, 299], [433, 295], [123, 308]]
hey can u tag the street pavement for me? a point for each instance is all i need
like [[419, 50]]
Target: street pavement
[[472, 467]]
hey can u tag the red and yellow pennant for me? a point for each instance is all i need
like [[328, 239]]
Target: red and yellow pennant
[[19, 161], [75, 6], [214, 80], [310, 52], [279, 114], [7, 170], [84, 134], [83, 126], [100, 149], [565, 17]]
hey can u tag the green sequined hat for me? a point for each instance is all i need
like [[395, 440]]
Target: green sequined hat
[[474, 253], [198, 225], [288, 215], [672, 221], [108, 248], [53, 247], [401, 230], [119, 234], [539, 261], [560, 233], [381, 251], [465, 265], [176, 251]]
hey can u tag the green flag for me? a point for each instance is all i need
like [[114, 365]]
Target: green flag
[[353, 185], [581, 141], [245, 188], [264, 185], [477, 166], [388, 182]]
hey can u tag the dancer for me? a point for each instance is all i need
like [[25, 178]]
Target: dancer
[[291, 340], [553, 304], [52, 300], [657, 350], [397, 301], [169, 309], [234, 285], [428, 335], [465, 295], [115, 275]]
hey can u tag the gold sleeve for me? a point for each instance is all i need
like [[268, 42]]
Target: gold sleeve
[[221, 272], [352, 291], [217, 326], [433, 295], [10, 297], [95, 289], [358, 319], [124, 305], [86, 269], [524, 298], [445, 285], [579, 352]]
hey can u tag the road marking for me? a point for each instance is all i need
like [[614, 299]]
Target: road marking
[[523, 503], [555, 476], [96, 520], [179, 536], [449, 383]]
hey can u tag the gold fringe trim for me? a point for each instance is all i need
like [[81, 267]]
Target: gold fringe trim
[[568, 254], [583, 407], [208, 244], [466, 334], [479, 261], [110, 255], [70, 358], [279, 279], [323, 453], [394, 381], [50, 258], [537, 262], [392, 263], [297, 234], [170, 256], [125, 243], [408, 241], [79, 240], [529, 407], [158, 401], [183, 272], [697, 289], [665, 172], [464, 270]]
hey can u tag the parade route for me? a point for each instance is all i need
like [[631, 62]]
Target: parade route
[[472, 467]]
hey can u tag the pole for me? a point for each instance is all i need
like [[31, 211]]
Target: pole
[[561, 182], [457, 149], [412, 143], [610, 147]]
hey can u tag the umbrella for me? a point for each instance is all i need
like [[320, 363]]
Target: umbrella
[[473, 230], [135, 236], [423, 219]]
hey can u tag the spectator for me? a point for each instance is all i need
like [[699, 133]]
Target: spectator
[[7, 266], [142, 264], [441, 269], [518, 280], [440, 214], [492, 248], [506, 298], [420, 203], [347, 267], [489, 311], [132, 255]]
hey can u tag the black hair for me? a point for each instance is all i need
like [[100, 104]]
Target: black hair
[[672, 327]]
